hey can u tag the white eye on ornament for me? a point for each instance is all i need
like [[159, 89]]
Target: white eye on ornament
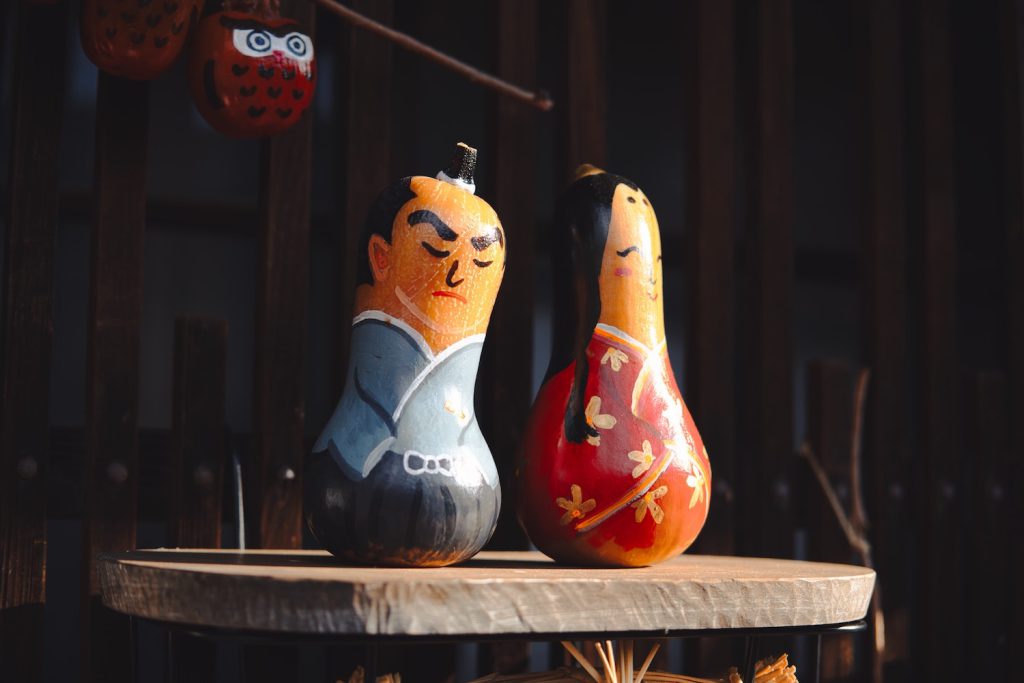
[[296, 45], [252, 42]]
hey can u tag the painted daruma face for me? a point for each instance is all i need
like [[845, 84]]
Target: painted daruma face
[[630, 279], [442, 269]]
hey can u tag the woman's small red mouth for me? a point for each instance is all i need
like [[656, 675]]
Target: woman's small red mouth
[[652, 296], [445, 292]]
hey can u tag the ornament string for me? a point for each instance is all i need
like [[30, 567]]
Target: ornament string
[[538, 99], [268, 9]]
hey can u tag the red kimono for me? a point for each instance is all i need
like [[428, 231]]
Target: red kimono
[[635, 494]]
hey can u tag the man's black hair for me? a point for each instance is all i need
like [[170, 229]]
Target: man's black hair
[[380, 220]]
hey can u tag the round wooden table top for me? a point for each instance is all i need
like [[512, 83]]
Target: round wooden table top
[[496, 593]]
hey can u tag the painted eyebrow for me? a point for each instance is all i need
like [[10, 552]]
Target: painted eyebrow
[[427, 216], [483, 241], [627, 250]]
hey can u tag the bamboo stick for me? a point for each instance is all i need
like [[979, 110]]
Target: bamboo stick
[[578, 656], [647, 662], [609, 672]]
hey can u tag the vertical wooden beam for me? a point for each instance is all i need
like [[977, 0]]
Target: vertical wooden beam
[[364, 90], [281, 305], [709, 36], [829, 424], [988, 572], [583, 126], [941, 500], [110, 475], [197, 470], [711, 263], [1012, 26], [199, 445], [767, 489], [878, 38], [27, 331], [507, 365]]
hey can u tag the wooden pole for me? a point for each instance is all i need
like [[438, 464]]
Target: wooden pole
[[110, 475], [27, 332], [941, 498]]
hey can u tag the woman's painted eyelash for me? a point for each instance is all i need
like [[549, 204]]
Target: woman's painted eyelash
[[482, 264], [435, 252], [625, 252]]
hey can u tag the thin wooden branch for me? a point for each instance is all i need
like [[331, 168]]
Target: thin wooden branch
[[858, 513], [538, 99], [854, 525], [856, 540]]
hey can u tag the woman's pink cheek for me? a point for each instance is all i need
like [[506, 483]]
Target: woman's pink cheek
[[623, 272]]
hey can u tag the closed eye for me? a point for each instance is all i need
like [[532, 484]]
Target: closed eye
[[482, 264], [625, 252], [435, 252]]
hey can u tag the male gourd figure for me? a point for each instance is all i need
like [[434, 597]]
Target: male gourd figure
[[611, 470], [401, 475]]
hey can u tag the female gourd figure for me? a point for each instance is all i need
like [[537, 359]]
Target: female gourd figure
[[401, 475], [611, 470]]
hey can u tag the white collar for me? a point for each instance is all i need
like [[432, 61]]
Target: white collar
[[400, 324], [612, 330]]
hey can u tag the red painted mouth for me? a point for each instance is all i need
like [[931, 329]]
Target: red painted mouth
[[444, 292], [652, 296], [623, 272]]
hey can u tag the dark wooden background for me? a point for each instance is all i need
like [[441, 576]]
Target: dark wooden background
[[839, 186]]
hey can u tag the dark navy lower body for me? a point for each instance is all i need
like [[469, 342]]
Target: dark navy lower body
[[396, 517]]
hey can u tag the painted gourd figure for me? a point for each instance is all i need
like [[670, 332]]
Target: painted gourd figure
[[136, 39], [251, 74], [611, 470], [401, 475]]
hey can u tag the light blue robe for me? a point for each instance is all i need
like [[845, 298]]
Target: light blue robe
[[401, 397]]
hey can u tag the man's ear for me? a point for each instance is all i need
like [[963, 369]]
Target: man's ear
[[380, 258]]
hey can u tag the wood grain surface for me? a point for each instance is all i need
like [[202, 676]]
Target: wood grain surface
[[497, 593]]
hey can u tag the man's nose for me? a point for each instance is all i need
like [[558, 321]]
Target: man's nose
[[450, 279]]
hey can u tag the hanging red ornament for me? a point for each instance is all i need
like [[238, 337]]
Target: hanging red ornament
[[136, 39], [251, 74]]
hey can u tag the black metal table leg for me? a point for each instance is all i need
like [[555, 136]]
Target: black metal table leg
[[371, 663], [817, 658], [749, 658], [133, 636]]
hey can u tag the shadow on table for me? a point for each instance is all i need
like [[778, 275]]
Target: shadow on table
[[286, 558]]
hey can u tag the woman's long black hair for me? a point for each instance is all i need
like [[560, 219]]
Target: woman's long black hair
[[582, 218]]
